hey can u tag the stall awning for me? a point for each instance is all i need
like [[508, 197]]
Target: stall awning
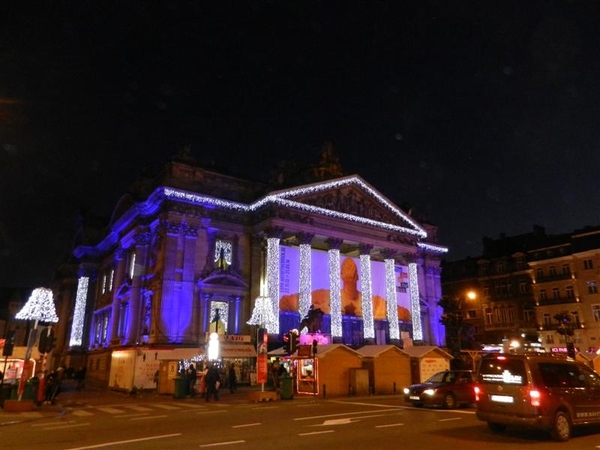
[[237, 351]]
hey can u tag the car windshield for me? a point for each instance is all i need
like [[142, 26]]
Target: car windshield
[[442, 377]]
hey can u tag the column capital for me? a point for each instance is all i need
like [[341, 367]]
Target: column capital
[[274, 232], [365, 249], [305, 238], [388, 253], [334, 243], [409, 257]]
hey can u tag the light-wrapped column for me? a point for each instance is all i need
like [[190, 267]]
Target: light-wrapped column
[[305, 300], [391, 298], [367, 298], [76, 338], [415, 305], [273, 258], [335, 298]]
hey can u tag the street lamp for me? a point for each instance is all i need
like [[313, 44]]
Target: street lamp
[[39, 307]]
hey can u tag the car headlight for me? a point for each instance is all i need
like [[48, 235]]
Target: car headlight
[[406, 391], [429, 391]]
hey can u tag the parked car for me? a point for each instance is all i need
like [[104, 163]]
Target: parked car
[[545, 392], [449, 389]]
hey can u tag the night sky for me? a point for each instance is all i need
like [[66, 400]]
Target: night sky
[[482, 115]]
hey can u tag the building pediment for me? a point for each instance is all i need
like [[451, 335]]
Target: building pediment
[[223, 278], [349, 198]]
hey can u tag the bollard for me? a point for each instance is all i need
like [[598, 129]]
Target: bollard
[[350, 390], [394, 388], [324, 390]]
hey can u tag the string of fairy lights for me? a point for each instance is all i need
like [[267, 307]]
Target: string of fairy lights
[[76, 338], [335, 300], [284, 198]]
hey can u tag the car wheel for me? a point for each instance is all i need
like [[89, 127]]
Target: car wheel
[[497, 427], [450, 401], [561, 427]]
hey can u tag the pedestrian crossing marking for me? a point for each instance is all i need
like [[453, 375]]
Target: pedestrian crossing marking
[[81, 413], [163, 406], [137, 408], [110, 410]]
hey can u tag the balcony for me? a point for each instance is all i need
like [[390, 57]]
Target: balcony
[[556, 301], [557, 277]]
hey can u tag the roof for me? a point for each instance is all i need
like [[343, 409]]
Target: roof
[[373, 351], [419, 351], [323, 350]]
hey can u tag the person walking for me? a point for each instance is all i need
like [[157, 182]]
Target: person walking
[[232, 378], [213, 381], [191, 379]]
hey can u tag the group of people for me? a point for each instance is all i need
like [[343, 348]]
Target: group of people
[[210, 380]]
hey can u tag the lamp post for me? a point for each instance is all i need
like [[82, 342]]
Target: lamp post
[[39, 307]]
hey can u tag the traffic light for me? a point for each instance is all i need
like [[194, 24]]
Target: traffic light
[[47, 341], [9, 343], [293, 340]]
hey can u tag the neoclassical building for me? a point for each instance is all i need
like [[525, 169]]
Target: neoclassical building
[[198, 248]]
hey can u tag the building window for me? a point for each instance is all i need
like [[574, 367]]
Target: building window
[[539, 273], [547, 320], [486, 291], [588, 264], [575, 316], [472, 314], [549, 339], [500, 267], [522, 287], [552, 271], [596, 313], [555, 294], [520, 265], [543, 294], [484, 271], [223, 254], [592, 287], [566, 269], [528, 315], [570, 292]]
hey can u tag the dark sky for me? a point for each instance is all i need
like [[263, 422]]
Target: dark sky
[[483, 115]]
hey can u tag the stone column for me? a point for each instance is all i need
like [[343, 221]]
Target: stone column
[[415, 303], [335, 299], [273, 263], [136, 303], [305, 300], [391, 298], [366, 294], [119, 266], [187, 299]]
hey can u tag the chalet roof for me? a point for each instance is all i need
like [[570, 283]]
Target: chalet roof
[[419, 351], [373, 351]]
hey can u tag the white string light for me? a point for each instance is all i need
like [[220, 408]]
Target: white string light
[[304, 300], [40, 307], [273, 258], [367, 300], [391, 300], [415, 305], [335, 297], [262, 313], [79, 312]]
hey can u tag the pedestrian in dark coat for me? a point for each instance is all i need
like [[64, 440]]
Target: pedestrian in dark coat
[[213, 381]]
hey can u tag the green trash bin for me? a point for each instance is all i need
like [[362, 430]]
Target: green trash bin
[[180, 387], [31, 389], [287, 387]]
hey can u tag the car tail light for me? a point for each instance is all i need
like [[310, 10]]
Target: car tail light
[[534, 397], [477, 392]]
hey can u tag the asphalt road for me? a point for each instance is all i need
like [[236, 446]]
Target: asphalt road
[[107, 420]]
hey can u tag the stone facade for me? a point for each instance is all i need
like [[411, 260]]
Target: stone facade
[[199, 242]]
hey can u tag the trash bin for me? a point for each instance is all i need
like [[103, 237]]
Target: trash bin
[[5, 393], [180, 387], [287, 387], [31, 389]]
